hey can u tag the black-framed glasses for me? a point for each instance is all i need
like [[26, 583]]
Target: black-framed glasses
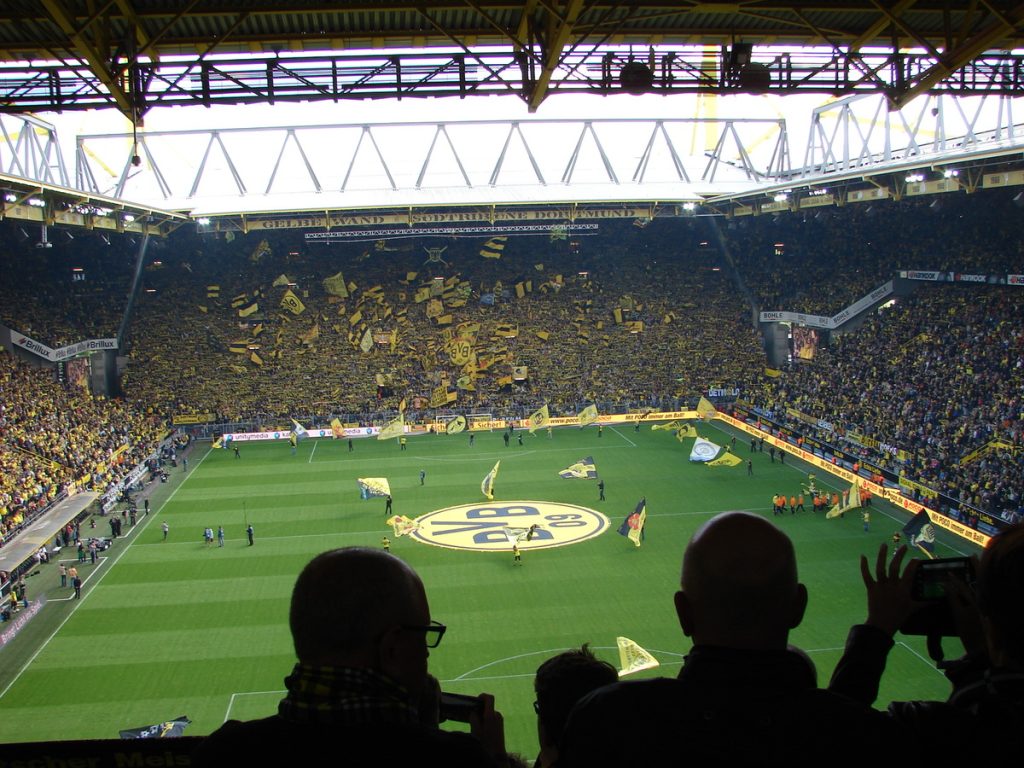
[[432, 633]]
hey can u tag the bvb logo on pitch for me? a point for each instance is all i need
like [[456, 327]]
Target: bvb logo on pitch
[[490, 526]]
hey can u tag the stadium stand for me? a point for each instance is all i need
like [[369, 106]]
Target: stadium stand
[[633, 317]]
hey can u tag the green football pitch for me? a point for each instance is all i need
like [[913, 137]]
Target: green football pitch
[[176, 628]]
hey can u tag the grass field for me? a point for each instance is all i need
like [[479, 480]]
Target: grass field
[[173, 628]]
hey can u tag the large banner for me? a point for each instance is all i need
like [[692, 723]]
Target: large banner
[[554, 215], [820, 321], [22, 341], [285, 434], [938, 276]]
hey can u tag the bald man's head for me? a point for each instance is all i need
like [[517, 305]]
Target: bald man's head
[[739, 584], [346, 598]]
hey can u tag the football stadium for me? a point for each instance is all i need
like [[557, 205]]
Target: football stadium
[[237, 335]]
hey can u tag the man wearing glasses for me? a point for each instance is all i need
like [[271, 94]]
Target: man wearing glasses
[[360, 691]]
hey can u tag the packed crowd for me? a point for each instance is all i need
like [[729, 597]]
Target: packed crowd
[[55, 436], [77, 289], [938, 376], [630, 317], [564, 328], [821, 262]]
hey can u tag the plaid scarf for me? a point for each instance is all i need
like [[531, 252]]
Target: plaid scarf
[[344, 696]]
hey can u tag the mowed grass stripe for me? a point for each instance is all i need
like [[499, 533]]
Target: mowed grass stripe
[[178, 628]]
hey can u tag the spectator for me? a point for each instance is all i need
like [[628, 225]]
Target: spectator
[[560, 682], [361, 627], [742, 697], [988, 683]]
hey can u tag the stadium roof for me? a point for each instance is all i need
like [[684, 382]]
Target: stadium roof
[[370, 136], [135, 54]]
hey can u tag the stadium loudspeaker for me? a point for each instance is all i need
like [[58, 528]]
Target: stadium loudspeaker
[[740, 55], [636, 78], [755, 78]]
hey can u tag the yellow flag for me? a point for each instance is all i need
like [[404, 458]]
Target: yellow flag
[[394, 428], [705, 409], [246, 311], [253, 357], [402, 525], [292, 303], [668, 427], [335, 286], [366, 343], [587, 416], [487, 485], [539, 419], [687, 430], [439, 396], [281, 280], [493, 248], [852, 502], [261, 250], [633, 658], [725, 460]]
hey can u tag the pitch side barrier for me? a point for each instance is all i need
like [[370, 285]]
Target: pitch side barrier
[[834, 467], [420, 428]]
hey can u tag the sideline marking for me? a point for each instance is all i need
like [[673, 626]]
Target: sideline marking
[[613, 429], [85, 597], [315, 444], [922, 658], [835, 487]]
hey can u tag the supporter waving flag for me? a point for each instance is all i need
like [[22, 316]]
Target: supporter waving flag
[[633, 526], [487, 485], [920, 533], [539, 419], [587, 416]]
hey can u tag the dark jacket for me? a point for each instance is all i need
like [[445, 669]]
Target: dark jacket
[[727, 707]]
